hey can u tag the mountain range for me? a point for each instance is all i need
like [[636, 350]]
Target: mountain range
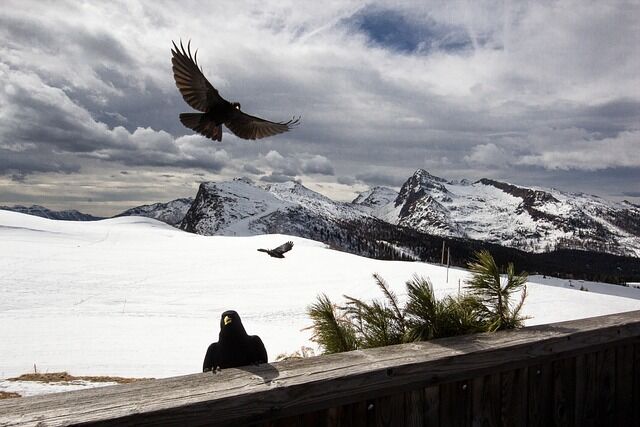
[[41, 211], [409, 224], [530, 219]]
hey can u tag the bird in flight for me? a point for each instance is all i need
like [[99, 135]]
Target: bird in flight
[[215, 110], [279, 251], [234, 347]]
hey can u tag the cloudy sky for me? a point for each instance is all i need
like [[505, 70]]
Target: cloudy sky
[[543, 93]]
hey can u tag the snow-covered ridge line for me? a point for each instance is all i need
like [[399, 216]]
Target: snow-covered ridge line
[[530, 219]]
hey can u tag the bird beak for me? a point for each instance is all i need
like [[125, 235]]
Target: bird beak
[[227, 320]]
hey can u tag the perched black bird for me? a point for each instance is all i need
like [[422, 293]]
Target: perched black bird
[[234, 347], [279, 251], [201, 95]]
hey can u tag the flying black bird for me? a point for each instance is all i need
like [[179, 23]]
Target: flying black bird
[[234, 347], [279, 251], [201, 95]]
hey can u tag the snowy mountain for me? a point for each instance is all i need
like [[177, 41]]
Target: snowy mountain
[[243, 208], [172, 212], [531, 219], [41, 211], [376, 197]]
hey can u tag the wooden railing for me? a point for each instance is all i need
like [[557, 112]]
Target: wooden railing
[[584, 372]]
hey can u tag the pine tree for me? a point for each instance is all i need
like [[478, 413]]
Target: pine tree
[[495, 293], [334, 333]]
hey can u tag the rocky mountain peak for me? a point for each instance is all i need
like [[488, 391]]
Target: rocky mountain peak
[[375, 197], [420, 184]]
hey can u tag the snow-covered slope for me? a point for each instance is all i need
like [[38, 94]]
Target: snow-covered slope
[[132, 296], [172, 212], [532, 219], [41, 211], [375, 197], [242, 208]]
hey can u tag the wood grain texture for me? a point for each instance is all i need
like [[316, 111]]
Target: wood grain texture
[[605, 380], [540, 395], [256, 394], [564, 392], [514, 397], [486, 402], [432, 406], [455, 404], [636, 384], [586, 390], [624, 385]]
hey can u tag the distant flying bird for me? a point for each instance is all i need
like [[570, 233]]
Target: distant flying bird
[[216, 111], [234, 347], [279, 251]]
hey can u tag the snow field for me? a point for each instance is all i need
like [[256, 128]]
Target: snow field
[[134, 297]]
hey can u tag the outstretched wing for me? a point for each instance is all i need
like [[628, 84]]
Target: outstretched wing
[[192, 84], [249, 127], [283, 248]]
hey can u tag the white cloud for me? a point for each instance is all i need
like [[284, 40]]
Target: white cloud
[[487, 155], [591, 155], [317, 165], [93, 81]]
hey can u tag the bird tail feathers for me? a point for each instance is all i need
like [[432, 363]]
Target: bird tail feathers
[[191, 120], [197, 122]]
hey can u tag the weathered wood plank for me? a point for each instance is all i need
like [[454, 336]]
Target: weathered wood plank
[[455, 404], [514, 397], [636, 385], [414, 402], [271, 391], [586, 390], [432, 406], [485, 395], [605, 378], [389, 411], [624, 385], [540, 395], [564, 391]]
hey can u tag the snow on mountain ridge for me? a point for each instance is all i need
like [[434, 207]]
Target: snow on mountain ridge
[[533, 219], [375, 197], [41, 211], [171, 212]]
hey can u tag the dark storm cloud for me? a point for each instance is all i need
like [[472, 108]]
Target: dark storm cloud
[[252, 169], [277, 178], [29, 161], [55, 35], [463, 89], [346, 180], [381, 178], [18, 177], [317, 165]]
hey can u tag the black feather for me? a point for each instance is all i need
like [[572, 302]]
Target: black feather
[[234, 347]]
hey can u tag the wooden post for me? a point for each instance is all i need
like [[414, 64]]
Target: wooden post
[[448, 259], [442, 259]]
